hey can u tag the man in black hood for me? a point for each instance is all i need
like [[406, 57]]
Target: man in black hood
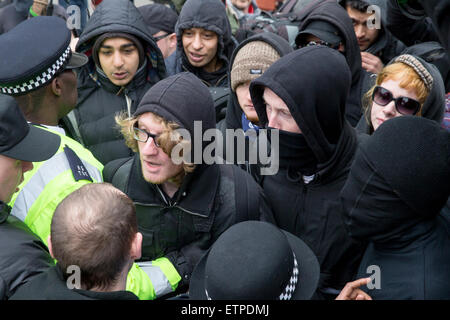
[[182, 205], [392, 198], [330, 19], [303, 95], [124, 62], [204, 42]]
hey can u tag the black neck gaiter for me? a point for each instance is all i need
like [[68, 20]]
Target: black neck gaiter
[[295, 154]]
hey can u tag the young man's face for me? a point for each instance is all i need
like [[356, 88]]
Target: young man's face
[[119, 60], [11, 175], [278, 114], [200, 46], [157, 166], [365, 35], [245, 101]]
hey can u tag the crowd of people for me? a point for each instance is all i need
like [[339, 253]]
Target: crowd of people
[[147, 154]]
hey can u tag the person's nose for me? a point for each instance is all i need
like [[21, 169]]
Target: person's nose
[[360, 31], [118, 60], [197, 42], [149, 148], [389, 109], [273, 120]]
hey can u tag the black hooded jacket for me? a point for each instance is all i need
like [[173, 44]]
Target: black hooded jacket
[[209, 15], [333, 13], [23, 255], [183, 227], [99, 100], [434, 105], [396, 188], [314, 83]]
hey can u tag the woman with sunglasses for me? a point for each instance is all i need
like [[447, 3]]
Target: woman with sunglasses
[[406, 86]]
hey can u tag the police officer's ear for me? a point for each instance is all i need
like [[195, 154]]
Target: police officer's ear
[[173, 40], [56, 86]]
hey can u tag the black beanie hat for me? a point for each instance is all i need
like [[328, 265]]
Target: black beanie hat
[[413, 155], [108, 35]]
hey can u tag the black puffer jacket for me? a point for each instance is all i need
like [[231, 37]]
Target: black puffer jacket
[[208, 201], [99, 100], [333, 13], [22, 255], [209, 15], [396, 188], [314, 83]]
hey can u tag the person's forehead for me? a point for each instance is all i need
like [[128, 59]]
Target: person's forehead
[[357, 15], [273, 99], [116, 42], [199, 30], [150, 121]]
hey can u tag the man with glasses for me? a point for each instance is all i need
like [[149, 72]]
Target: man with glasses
[[184, 201], [161, 21], [22, 254], [329, 24]]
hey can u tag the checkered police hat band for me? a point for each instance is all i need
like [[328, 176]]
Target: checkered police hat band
[[292, 285], [40, 79]]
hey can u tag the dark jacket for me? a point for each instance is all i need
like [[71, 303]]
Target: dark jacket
[[414, 31], [209, 15], [333, 13], [313, 82], [396, 188], [433, 107], [386, 46], [13, 14], [52, 285], [22, 256], [99, 100], [208, 201]]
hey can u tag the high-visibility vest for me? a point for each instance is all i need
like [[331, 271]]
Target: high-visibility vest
[[51, 181]]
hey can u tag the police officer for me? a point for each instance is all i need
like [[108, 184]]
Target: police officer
[[22, 254], [39, 73]]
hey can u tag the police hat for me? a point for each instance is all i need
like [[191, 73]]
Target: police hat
[[34, 52], [19, 140]]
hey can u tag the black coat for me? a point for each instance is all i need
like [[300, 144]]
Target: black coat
[[398, 184], [310, 210], [99, 100], [52, 285], [23, 256]]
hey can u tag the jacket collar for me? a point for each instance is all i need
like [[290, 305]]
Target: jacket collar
[[196, 194]]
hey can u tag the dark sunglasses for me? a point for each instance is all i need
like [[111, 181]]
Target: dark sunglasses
[[403, 105], [161, 37], [143, 135]]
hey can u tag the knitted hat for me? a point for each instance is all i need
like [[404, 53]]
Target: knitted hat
[[107, 35], [251, 62]]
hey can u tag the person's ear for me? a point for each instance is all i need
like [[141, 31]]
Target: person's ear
[[136, 247], [172, 40], [50, 247], [56, 86]]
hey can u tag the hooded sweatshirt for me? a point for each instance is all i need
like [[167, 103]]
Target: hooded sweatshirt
[[209, 15], [434, 105], [99, 100], [396, 188], [314, 83], [333, 13]]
